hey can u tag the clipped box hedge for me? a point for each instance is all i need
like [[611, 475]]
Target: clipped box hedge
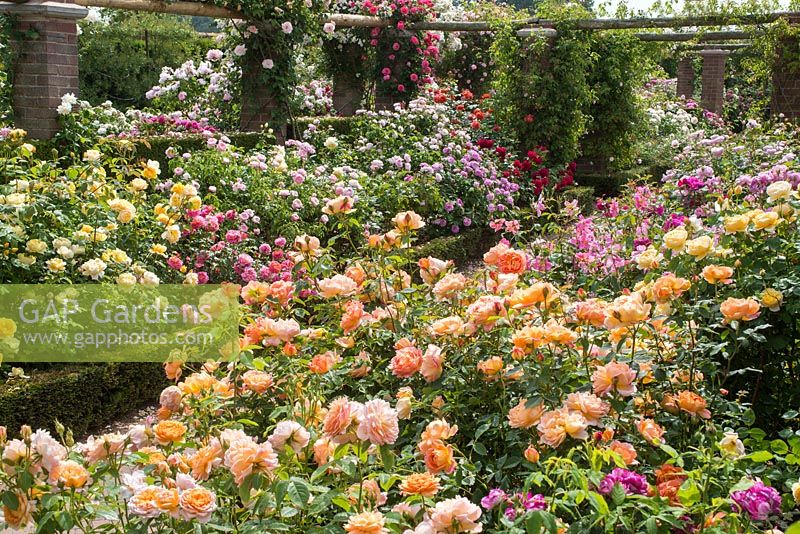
[[83, 398], [460, 247]]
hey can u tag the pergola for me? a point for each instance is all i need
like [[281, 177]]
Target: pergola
[[47, 64]]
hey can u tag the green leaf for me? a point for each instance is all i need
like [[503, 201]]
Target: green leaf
[[618, 494], [794, 528], [10, 499], [779, 446], [689, 493], [761, 456], [599, 503], [387, 457], [299, 492]]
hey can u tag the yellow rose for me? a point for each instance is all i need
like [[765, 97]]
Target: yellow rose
[[151, 170], [158, 249], [36, 246], [766, 220], [7, 328], [772, 299], [56, 265], [676, 239], [649, 259], [737, 223], [796, 492], [699, 247]]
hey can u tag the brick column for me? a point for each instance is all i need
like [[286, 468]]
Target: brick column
[[46, 65], [260, 108], [685, 77], [786, 80], [713, 94]]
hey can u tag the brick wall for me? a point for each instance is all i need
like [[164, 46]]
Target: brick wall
[[713, 79], [786, 81], [46, 68], [685, 77]]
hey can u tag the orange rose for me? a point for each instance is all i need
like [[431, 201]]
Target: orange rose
[[423, 484], [322, 363], [71, 474], [353, 314], [625, 450], [540, 293], [205, 459], [716, 274], [19, 517], [531, 454], [406, 362], [439, 457], [650, 430], [693, 404], [491, 368], [512, 262], [173, 370], [169, 431], [197, 503], [592, 311], [452, 326], [559, 335], [740, 309], [529, 337]]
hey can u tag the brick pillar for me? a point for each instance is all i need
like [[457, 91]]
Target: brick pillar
[[786, 80], [348, 91], [46, 65], [685, 77], [713, 94], [260, 108]]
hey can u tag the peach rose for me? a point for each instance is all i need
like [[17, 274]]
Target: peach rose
[[493, 255], [626, 310], [366, 523], [405, 396], [693, 404], [206, 459], [487, 310], [406, 362], [340, 416], [322, 363], [432, 363], [531, 454], [625, 450], [257, 381], [524, 416], [197, 503], [353, 314], [717, 274], [244, 456], [512, 262], [540, 294], [438, 429], [169, 432], [650, 430], [173, 370], [529, 337], [356, 273], [592, 407], [669, 287], [408, 220], [337, 286], [614, 376], [430, 268], [307, 245], [592, 311], [340, 204], [559, 335], [423, 484], [171, 398], [456, 515], [449, 326], [144, 503], [449, 286], [740, 309], [323, 450], [289, 434], [377, 423], [555, 425]]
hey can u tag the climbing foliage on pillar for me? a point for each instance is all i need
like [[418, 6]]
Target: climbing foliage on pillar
[[346, 52], [5, 69], [269, 46]]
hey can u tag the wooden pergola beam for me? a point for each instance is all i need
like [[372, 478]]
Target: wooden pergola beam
[[699, 36], [181, 7]]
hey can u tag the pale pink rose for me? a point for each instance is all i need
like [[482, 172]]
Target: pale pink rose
[[432, 363], [171, 398], [336, 286], [377, 423], [289, 434], [486, 310], [456, 515]]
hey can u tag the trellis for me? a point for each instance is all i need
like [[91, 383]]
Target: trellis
[[47, 66]]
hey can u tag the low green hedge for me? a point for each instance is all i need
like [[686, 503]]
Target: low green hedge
[[340, 125], [154, 147], [83, 398], [459, 248]]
